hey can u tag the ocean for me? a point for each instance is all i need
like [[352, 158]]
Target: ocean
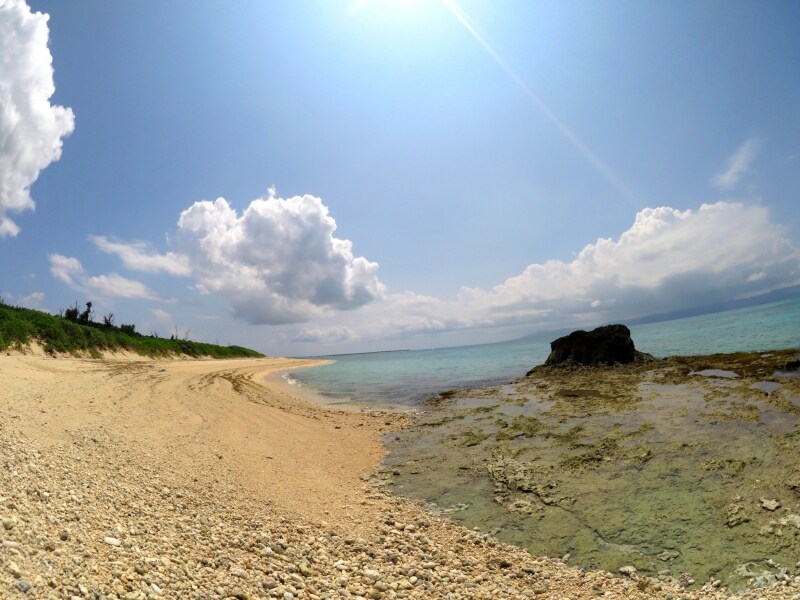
[[405, 378]]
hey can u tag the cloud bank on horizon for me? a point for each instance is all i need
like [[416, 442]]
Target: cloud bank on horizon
[[667, 260], [278, 263], [31, 129]]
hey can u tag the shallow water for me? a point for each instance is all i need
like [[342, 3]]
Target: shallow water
[[658, 470], [715, 373], [768, 387], [672, 473], [408, 377]]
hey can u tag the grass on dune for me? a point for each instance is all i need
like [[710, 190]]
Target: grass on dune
[[22, 326]]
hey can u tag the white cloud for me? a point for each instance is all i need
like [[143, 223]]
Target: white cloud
[[32, 300], [738, 165], [71, 272], [278, 262], [163, 316], [31, 128], [138, 257], [65, 269], [668, 260]]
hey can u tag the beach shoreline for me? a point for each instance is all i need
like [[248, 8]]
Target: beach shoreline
[[283, 380], [129, 478]]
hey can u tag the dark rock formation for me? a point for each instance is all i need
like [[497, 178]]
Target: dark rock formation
[[608, 345], [792, 365]]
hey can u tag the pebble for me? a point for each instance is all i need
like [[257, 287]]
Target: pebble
[[770, 504], [372, 574], [14, 569]]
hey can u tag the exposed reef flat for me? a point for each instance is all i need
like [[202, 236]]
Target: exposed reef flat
[[686, 468]]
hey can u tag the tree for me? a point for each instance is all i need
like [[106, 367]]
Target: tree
[[71, 314], [86, 316], [108, 320]]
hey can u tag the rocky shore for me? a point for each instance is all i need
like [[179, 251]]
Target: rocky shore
[[685, 468], [134, 480]]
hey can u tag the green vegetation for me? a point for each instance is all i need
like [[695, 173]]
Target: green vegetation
[[521, 426], [77, 333], [606, 449], [471, 437]]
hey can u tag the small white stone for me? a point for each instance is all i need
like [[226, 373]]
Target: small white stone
[[237, 572], [111, 541], [14, 569], [770, 504]]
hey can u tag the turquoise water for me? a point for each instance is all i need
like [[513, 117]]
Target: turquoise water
[[407, 377]]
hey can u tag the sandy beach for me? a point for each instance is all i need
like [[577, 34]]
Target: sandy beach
[[130, 478]]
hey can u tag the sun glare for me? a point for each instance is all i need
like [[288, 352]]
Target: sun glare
[[404, 5]]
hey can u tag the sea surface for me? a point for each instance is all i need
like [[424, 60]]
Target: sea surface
[[405, 378]]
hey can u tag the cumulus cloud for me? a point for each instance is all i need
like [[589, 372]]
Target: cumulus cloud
[[138, 256], [70, 271], [738, 165], [278, 262], [31, 129], [667, 260]]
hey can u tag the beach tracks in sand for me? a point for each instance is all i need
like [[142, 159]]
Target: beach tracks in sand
[[190, 479], [202, 421]]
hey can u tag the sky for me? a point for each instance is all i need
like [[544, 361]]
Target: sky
[[339, 176]]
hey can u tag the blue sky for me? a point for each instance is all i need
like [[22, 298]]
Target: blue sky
[[435, 180]]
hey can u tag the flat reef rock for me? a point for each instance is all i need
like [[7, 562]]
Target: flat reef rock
[[607, 345]]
